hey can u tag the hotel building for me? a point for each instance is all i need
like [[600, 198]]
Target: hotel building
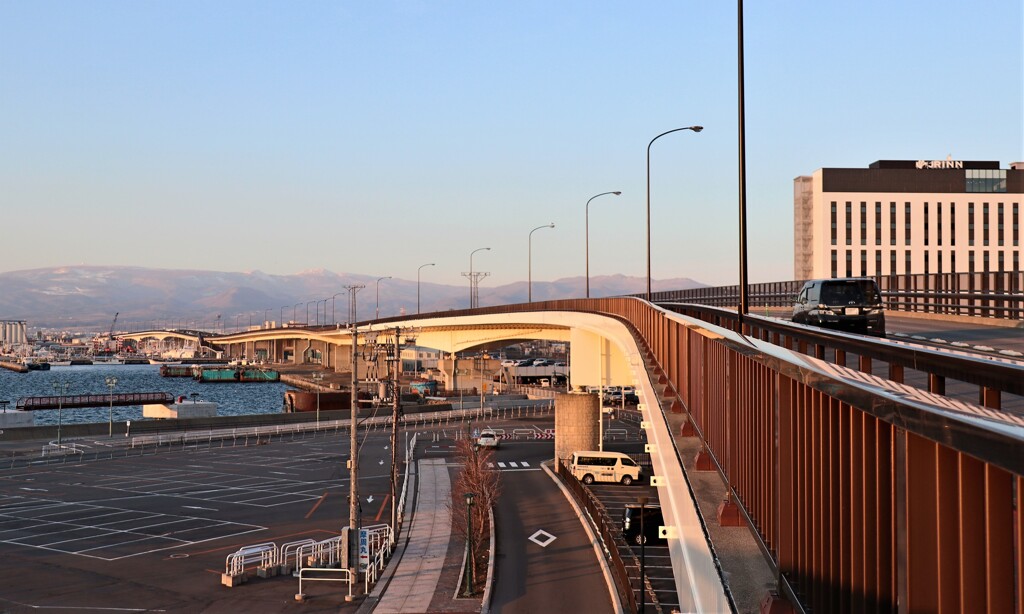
[[905, 216]]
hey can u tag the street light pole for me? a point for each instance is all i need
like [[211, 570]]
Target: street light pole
[[587, 231], [353, 489], [468, 592], [742, 311], [643, 552], [281, 323], [61, 388], [111, 382], [376, 315], [418, 285], [693, 128], [529, 262], [473, 300], [318, 378], [293, 309], [334, 320]]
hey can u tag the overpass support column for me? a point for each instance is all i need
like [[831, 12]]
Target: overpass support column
[[577, 424]]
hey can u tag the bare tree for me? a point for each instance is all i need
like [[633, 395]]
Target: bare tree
[[485, 483]]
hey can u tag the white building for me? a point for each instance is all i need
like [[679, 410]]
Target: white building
[[903, 216]]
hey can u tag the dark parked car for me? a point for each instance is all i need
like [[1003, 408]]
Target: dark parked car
[[652, 522], [847, 304]]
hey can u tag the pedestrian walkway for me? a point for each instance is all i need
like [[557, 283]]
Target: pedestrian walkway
[[415, 580]]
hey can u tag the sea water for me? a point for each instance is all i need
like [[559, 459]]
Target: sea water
[[232, 398]]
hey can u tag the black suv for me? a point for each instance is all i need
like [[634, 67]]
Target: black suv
[[652, 522], [851, 303]]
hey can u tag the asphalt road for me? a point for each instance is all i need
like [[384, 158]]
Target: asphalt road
[[563, 575]]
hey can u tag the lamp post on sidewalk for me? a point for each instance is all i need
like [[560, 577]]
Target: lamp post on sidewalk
[[694, 129], [468, 592], [643, 552], [587, 225], [111, 382]]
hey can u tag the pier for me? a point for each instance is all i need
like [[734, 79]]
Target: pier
[[14, 366], [93, 400]]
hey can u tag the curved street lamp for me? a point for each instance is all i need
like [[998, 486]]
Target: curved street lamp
[[529, 262], [307, 312], [376, 315], [293, 309], [693, 128], [60, 388], [472, 284], [418, 284], [281, 323], [587, 226], [334, 320]]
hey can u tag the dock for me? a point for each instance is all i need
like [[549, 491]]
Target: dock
[[14, 366], [93, 400]]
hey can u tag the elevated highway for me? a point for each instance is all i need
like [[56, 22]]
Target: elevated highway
[[876, 475]]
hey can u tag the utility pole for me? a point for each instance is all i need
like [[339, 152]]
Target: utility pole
[[396, 406], [353, 490]]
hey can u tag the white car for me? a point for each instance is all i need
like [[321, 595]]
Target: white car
[[509, 363], [487, 439]]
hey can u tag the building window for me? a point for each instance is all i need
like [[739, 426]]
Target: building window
[[952, 262], [984, 224], [906, 224], [1002, 263], [986, 180], [834, 229], [835, 264], [926, 269], [892, 262], [1016, 261], [849, 263], [926, 224], [863, 262], [849, 223], [892, 224], [863, 223], [984, 262], [1016, 228], [878, 223], [878, 263], [938, 223], [999, 224], [938, 257], [952, 223], [906, 262], [970, 224], [970, 261]]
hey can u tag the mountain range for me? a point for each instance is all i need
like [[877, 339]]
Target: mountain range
[[87, 297]]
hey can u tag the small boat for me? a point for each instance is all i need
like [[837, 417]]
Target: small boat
[[60, 363], [109, 360]]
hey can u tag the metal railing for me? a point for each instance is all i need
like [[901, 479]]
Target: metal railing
[[987, 295]]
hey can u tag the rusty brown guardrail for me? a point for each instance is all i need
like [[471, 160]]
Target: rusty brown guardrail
[[867, 495]]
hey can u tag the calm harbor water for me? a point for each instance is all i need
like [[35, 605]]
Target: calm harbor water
[[234, 399]]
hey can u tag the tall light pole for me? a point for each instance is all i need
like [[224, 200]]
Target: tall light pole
[[376, 315], [587, 226], [473, 299], [307, 312], [529, 262], [418, 285], [334, 320], [111, 382], [643, 553], [470, 562], [281, 323], [693, 128], [318, 378], [293, 309], [264, 315], [60, 388], [742, 311]]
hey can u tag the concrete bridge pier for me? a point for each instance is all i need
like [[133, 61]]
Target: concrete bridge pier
[[577, 424]]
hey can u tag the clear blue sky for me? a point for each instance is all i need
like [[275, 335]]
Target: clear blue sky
[[372, 137]]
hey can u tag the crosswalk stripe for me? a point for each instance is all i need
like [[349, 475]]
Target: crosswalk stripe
[[502, 465], [512, 464], [525, 464]]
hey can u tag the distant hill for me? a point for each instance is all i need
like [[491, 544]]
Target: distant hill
[[83, 297]]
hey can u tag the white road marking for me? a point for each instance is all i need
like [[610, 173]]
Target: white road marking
[[542, 538], [196, 507]]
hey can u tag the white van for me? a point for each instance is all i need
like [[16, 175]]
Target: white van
[[592, 466]]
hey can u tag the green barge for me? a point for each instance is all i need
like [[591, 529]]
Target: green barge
[[236, 374]]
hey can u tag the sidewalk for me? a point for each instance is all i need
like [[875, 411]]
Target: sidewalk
[[415, 580]]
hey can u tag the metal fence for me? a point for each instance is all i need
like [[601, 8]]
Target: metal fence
[[986, 295]]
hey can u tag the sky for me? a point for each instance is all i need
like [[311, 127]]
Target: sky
[[374, 137]]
